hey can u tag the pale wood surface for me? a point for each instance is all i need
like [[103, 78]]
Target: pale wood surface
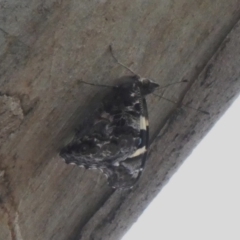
[[46, 48]]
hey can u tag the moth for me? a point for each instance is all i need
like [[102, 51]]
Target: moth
[[117, 140]]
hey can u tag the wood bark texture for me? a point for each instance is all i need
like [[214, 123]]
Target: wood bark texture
[[48, 47]]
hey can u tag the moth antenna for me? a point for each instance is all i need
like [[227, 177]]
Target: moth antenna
[[198, 110], [123, 65], [97, 85], [170, 84]]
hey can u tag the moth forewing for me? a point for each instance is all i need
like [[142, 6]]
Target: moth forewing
[[114, 143], [117, 141]]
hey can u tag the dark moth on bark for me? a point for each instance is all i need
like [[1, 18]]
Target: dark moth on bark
[[117, 141]]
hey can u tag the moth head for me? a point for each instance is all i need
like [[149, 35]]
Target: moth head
[[147, 86]]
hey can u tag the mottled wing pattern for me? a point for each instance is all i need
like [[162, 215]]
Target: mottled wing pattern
[[129, 171], [117, 140]]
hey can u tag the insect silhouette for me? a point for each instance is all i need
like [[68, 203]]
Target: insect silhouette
[[118, 140]]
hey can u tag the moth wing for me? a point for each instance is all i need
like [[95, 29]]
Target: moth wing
[[129, 171], [111, 137], [117, 140]]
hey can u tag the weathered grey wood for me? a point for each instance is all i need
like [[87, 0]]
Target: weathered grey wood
[[216, 88], [46, 48]]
